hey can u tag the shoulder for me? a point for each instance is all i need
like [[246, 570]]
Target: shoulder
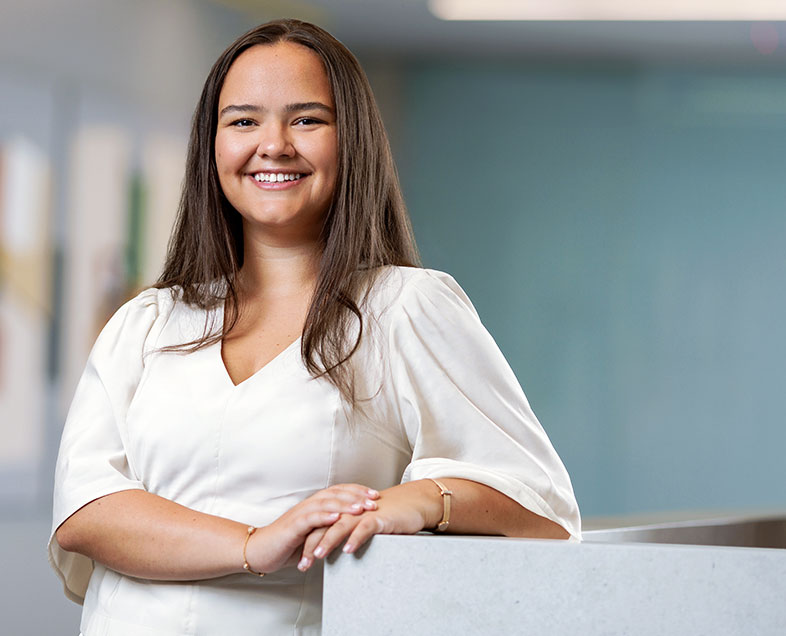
[[148, 305], [138, 321], [414, 290]]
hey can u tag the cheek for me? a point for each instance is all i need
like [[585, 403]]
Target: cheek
[[322, 150], [220, 156], [329, 158], [223, 169], [227, 154]]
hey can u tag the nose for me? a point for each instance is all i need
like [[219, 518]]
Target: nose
[[274, 141]]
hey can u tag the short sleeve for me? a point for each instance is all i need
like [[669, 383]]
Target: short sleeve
[[463, 410], [92, 461]]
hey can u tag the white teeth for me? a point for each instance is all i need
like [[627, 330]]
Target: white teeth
[[276, 177]]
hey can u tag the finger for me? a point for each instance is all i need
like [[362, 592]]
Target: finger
[[311, 542], [347, 505], [345, 497], [367, 528], [358, 489], [304, 524], [349, 497], [335, 534]]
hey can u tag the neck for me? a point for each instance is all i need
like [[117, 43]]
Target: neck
[[271, 271]]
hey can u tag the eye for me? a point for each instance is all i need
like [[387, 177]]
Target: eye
[[308, 121], [242, 123]]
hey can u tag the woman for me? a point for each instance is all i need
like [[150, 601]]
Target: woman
[[293, 383]]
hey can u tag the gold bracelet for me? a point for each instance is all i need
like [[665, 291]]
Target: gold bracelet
[[251, 530], [447, 495]]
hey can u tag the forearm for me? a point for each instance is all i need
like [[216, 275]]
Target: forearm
[[480, 509], [146, 536], [418, 505]]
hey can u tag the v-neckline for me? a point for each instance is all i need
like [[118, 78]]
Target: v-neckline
[[260, 370]]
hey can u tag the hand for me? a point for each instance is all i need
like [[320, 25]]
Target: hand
[[404, 509], [276, 545]]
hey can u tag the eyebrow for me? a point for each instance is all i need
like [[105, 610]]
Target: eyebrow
[[289, 108]]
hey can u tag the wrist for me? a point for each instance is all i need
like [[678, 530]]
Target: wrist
[[446, 495], [255, 552], [432, 508], [250, 531]]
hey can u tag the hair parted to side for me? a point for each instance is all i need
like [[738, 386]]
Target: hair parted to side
[[366, 225]]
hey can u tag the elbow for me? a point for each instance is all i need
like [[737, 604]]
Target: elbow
[[67, 537], [533, 526], [547, 529], [558, 532]]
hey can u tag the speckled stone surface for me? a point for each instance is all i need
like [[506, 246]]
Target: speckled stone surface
[[434, 585]]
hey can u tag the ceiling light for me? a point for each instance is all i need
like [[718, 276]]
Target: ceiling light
[[703, 10]]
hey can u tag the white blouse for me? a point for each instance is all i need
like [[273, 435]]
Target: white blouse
[[438, 400]]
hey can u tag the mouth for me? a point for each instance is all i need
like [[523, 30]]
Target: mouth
[[277, 177]]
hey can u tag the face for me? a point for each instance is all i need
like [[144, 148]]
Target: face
[[276, 143]]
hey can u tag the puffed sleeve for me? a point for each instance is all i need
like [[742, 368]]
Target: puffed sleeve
[[92, 461], [463, 410]]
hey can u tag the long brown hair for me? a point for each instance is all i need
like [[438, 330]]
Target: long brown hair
[[366, 226]]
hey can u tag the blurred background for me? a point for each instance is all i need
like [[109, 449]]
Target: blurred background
[[609, 193]]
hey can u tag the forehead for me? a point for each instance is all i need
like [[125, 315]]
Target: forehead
[[271, 74]]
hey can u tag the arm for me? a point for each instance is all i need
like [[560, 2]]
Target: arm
[[143, 535], [464, 415], [140, 534], [479, 509], [102, 509], [417, 505]]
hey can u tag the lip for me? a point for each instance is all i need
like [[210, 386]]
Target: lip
[[277, 185]]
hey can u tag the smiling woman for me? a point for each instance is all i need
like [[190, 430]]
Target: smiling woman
[[276, 144], [294, 382]]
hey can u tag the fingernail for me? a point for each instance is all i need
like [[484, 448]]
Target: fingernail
[[348, 547], [356, 506], [371, 504], [303, 565], [372, 493], [319, 552]]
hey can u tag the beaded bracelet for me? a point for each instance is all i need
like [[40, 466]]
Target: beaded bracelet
[[246, 566]]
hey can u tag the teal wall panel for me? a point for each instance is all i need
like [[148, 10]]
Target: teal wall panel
[[621, 233]]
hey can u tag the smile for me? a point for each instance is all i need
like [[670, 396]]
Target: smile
[[276, 177]]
